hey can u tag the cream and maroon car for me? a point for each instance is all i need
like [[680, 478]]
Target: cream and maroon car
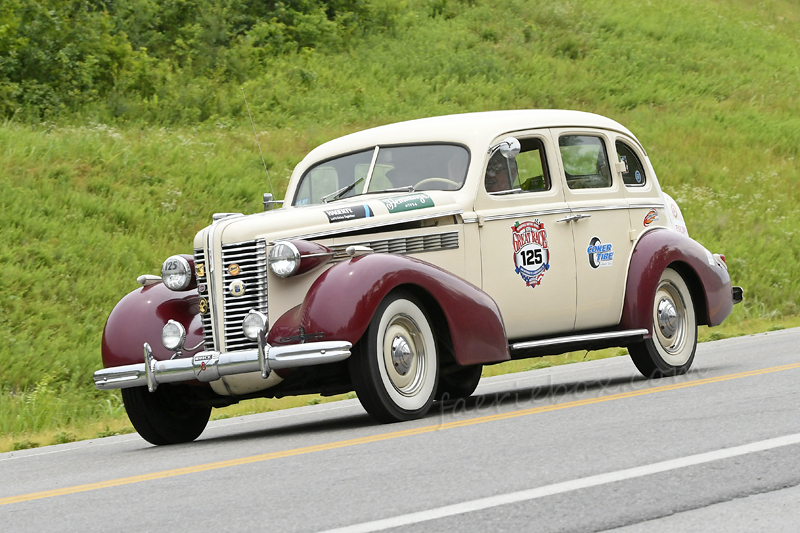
[[407, 256]]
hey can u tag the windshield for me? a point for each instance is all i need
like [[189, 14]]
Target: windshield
[[424, 167]]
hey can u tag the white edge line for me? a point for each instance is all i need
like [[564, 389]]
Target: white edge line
[[567, 486]]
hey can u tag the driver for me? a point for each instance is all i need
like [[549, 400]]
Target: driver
[[497, 176]]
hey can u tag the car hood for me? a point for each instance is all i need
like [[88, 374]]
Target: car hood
[[328, 220]]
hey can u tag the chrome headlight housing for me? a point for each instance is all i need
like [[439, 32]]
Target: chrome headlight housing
[[173, 336], [284, 259], [253, 323], [176, 273]]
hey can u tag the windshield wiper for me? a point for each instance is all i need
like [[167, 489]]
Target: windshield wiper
[[341, 192]]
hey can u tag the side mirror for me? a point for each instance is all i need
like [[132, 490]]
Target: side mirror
[[269, 203], [509, 148]]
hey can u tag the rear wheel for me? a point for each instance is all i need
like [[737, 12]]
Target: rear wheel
[[670, 351], [164, 416], [395, 373], [458, 382]]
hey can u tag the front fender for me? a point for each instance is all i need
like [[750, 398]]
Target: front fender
[[139, 318], [342, 301], [661, 248]]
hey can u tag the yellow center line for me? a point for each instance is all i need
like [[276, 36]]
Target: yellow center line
[[381, 437]]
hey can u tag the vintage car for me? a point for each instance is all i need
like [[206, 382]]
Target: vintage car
[[407, 256]]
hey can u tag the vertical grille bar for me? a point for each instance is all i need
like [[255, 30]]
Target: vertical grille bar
[[203, 291]]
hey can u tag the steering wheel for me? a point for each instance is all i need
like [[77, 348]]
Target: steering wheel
[[452, 185]]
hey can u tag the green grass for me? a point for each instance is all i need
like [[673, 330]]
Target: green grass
[[104, 194]]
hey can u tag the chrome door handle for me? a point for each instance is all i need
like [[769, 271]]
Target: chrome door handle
[[572, 218]]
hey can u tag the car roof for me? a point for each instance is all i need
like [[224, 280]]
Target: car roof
[[471, 129]]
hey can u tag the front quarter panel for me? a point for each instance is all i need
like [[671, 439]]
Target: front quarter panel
[[139, 318], [342, 301], [708, 281]]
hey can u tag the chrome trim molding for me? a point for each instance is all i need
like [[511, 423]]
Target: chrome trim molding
[[600, 208], [580, 338], [212, 365], [647, 206], [528, 214]]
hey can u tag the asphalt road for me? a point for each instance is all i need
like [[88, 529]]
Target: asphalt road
[[584, 447]]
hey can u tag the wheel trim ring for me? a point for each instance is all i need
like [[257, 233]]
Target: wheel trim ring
[[408, 384], [674, 344]]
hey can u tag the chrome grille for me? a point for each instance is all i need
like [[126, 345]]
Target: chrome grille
[[251, 257], [202, 290], [405, 245]]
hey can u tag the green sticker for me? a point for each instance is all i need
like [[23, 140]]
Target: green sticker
[[409, 202]]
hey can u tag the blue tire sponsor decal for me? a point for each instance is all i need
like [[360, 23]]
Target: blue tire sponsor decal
[[600, 255]]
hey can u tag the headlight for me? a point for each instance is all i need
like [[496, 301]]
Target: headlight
[[284, 259], [254, 322], [173, 336], [176, 273]]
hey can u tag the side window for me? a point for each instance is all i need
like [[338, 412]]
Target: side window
[[525, 173], [585, 161], [634, 170]]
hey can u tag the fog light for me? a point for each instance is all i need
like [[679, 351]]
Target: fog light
[[253, 323], [173, 336]]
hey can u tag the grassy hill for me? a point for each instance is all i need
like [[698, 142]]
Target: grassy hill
[[102, 188]]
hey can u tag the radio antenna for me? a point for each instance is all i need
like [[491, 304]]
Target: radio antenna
[[257, 142]]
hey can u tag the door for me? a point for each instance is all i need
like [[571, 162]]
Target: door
[[600, 222], [527, 258]]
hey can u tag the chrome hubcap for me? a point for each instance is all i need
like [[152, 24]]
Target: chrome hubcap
[[667, 318], [670, 318], [404, 354], [401, 355]]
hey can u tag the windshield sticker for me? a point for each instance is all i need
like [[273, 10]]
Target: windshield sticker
[[600, 255], [531, 254], [349, 213], [409, 202], [650, 217]]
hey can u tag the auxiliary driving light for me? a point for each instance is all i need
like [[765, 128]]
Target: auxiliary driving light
[[173, 336], [253, 323]]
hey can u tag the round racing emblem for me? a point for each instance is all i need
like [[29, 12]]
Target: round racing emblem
[[234, 269], [531, 253], [237, 288]]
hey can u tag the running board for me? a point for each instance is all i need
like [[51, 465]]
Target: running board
[[590, 341]]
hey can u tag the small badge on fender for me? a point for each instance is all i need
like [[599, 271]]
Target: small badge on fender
[[203, 306], [650, 217], [237, 288], [234, 269], [531, 253]]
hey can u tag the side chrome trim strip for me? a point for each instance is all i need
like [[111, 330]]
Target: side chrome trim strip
[[580, 338], [528, 214], [575, 209], [333, 233], [648, 206]]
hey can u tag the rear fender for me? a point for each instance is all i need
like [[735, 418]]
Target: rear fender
[[706, 278], [139, 318], [341, 302]]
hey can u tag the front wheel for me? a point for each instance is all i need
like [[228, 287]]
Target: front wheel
[[670, 351], [395, 373], [164, 416]]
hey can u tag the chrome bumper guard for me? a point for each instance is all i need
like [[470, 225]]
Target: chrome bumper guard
[[210, 366]]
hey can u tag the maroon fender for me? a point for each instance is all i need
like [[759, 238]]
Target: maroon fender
[[342, 301], [139, 317], [659, 249]]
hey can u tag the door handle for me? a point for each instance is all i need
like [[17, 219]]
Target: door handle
[[572, 218]]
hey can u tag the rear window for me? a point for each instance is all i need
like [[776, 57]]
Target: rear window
[[585, 161]]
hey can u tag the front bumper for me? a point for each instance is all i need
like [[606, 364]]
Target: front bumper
[[211, 365]]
